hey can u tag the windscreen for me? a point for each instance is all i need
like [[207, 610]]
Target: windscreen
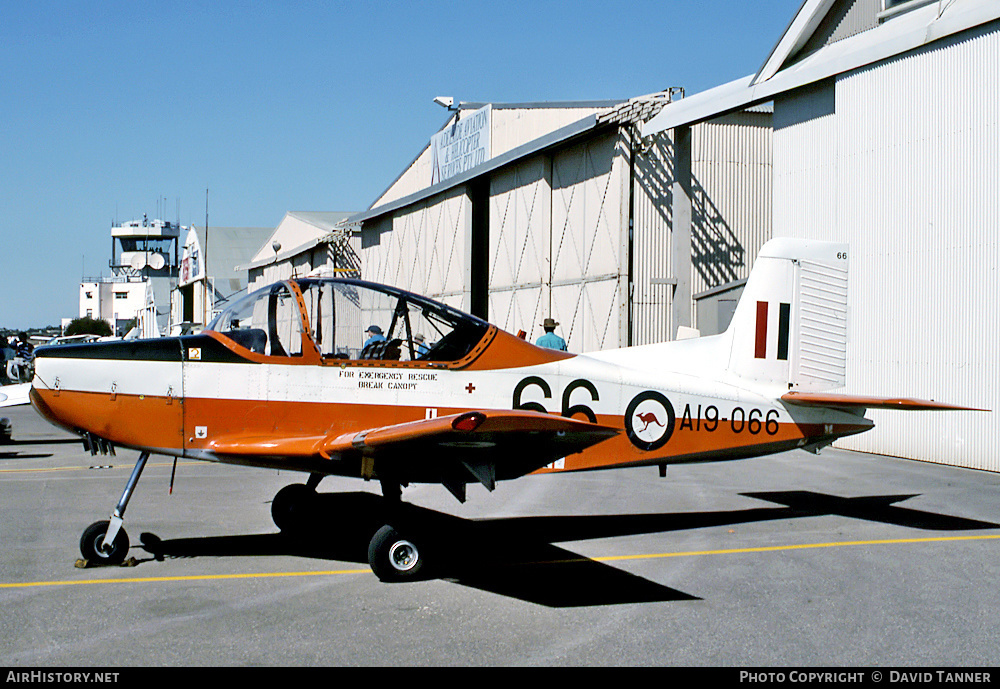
[[267, 322], [356, 320]]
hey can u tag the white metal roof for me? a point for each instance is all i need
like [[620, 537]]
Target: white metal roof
[[228, 247], [901, 34], [303, 229], [612, 113]]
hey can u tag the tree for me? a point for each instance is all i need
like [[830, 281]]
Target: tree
[[85, 325]]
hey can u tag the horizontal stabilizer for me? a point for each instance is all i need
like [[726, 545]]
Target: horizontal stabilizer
[[826, 399], [14, 395]]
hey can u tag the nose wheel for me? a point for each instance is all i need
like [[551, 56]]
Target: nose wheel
[[292, 506], [105, 542], [93, 549]]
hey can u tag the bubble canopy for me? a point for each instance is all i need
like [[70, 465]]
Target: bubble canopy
[[337, 316]]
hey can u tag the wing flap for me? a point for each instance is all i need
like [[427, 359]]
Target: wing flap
[[826, 399], [268, 446]]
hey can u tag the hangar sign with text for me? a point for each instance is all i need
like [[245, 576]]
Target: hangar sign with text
[[461, 146]]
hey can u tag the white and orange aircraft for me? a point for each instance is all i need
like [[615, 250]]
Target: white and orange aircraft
[[283, 379]]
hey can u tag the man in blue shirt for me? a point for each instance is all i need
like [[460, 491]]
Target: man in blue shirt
[[420, 343], [550, 339], [375, 335]]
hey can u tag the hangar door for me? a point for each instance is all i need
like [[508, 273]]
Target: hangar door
[[427, 250], [589, 243], [519, 243]]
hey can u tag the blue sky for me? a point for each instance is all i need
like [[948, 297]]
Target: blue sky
[[118, 109]]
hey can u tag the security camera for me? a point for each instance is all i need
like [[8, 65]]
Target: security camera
[[445, 101]]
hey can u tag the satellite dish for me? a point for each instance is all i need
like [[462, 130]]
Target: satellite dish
[[137, 261], [157, 261]]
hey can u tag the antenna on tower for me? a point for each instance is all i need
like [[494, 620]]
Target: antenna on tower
[[209, 302]]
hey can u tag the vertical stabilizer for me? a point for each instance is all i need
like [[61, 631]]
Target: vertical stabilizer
[[790, 327]]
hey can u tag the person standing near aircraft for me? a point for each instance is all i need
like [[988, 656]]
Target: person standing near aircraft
[[23, 370], [550, 339], [420, 342]]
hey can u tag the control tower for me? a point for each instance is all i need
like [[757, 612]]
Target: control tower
[[144, 268], [145, 248], [148, 250]]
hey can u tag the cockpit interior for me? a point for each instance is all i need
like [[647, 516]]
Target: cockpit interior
[[336, 316]]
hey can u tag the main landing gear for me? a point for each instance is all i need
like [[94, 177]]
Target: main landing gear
[[394, 556], [395, 552], [105, 542]]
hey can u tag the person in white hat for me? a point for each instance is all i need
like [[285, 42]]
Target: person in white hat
[[420, 343], [550, 339]]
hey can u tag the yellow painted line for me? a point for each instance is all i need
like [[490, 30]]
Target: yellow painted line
[[193, 577], [609, 558], [804, 546]]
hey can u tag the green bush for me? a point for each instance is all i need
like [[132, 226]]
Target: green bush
[[85, 325]]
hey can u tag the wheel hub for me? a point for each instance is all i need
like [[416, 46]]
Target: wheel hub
[[403, 556]]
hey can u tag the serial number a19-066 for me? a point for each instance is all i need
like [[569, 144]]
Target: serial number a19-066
[[753, 421]]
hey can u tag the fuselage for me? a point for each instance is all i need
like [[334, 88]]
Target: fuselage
[[176, 395]]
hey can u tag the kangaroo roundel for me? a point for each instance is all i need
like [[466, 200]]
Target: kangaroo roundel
[[649, 420]]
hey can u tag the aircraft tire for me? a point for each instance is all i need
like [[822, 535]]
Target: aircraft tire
[[93, 537], [394, 557], [291, 507]]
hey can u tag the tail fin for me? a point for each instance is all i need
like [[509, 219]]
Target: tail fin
[[790, 326]]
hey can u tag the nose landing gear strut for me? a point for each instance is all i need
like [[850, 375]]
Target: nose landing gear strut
[[105, 542]]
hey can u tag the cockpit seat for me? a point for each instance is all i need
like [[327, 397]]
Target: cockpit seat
[[383, 350], [253, 339]]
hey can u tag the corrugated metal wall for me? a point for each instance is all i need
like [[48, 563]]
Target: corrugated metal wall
[[515, 126], [845, 19], [731, 189], [651, 253], [730, 215], [916, 148]]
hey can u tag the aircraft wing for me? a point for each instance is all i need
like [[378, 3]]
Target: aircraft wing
[[826, 399], [13, 395], [483, 445]]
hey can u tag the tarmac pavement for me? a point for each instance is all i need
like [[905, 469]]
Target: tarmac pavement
[[792, 561]]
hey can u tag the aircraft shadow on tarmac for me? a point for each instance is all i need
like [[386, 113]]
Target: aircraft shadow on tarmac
[[516, 557], [8, 450]]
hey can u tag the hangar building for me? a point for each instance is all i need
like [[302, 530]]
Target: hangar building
[[519, 212], [887, 136], [306, 244], [208, 275]]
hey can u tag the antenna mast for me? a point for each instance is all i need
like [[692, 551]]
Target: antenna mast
[[204, 264]]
